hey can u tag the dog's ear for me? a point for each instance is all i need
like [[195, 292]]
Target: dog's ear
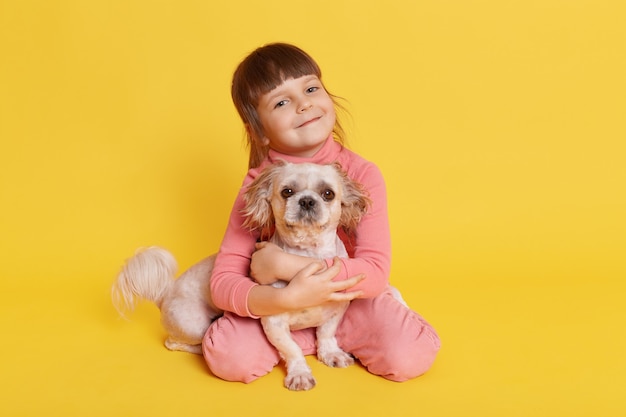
[[257, 211], [355, 201]]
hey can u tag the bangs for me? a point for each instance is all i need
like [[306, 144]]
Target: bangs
[[269, 66]]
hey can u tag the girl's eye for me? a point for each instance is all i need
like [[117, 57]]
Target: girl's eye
[[328, 195], [280, 103], [286, 193], [312, 89]]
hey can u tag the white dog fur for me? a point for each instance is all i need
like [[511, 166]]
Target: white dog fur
[[303, 204]]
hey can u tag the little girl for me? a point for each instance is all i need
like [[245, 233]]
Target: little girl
[[289, 115]]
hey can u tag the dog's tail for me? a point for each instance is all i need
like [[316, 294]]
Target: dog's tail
[[147, 275]]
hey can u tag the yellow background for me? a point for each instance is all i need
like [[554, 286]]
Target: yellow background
[[500, 129]]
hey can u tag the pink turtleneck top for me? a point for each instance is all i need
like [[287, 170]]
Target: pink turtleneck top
[[369, 249]]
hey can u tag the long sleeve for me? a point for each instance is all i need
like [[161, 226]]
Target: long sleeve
[[230, 282]]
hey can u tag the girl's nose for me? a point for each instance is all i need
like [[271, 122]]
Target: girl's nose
[[304, 106]]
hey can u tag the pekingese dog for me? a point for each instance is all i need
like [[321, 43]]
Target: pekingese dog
[[301, 206]]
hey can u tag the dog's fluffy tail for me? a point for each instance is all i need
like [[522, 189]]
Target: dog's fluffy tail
[[147, 275]]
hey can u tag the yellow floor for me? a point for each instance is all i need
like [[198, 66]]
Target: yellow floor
[[499, 128], [509, 350]]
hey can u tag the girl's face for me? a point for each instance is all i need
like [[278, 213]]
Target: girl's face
[[297, 116]]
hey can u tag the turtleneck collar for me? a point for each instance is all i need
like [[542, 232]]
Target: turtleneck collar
[[327, 154]]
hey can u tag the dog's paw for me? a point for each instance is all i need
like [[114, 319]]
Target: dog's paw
[[183, 347], [299, 381], [336, 358]]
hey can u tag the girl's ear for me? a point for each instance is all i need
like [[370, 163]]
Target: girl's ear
[[256, 137]]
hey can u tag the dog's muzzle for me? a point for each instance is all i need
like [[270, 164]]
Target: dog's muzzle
[[309, 209]]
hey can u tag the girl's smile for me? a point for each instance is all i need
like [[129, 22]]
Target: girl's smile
[[313, 120]]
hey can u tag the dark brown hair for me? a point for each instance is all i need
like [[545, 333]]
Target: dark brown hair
[[259, 73]]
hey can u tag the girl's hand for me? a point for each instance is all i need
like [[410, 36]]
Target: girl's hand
[[270, 263], [314, 285], [265, 262]]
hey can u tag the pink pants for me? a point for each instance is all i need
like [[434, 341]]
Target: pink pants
[[387, 338]]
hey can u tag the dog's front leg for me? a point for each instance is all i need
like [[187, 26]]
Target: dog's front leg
[[299, 376], [328, 351]]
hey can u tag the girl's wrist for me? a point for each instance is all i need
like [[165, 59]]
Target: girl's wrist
[[266, 300]]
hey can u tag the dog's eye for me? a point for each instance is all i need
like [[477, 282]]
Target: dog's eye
[[286, 193], [328, 195]]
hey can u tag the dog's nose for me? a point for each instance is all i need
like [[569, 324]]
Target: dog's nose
[[307, 203]]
